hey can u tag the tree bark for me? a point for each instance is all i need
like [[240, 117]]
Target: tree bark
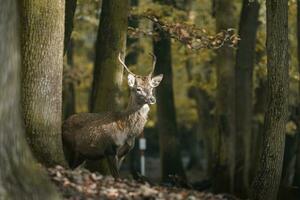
[[20, 176], [266, 183], [171, 163], [42, 36], [225, 103], [108, 72], [244, 109]]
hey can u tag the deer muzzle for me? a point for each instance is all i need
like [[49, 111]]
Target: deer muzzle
[[151, 100]]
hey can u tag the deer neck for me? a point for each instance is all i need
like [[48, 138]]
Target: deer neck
[[137, 116]]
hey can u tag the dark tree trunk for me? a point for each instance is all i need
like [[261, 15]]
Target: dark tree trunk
[[258, 111], [69, 104], [42, 39], [243, 77], [108, 72], [266, 183], [297, 164], [20, 176], [205, 124], [70, 9], [132, 43], [297, 168], [166, 115], [225, 103], [289, 160]]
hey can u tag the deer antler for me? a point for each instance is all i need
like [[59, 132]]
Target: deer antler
[[125, 65], [153, 65]]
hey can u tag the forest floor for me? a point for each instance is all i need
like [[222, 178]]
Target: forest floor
[[81, 184]]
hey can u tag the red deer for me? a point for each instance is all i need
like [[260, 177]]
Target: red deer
[[111, 135]]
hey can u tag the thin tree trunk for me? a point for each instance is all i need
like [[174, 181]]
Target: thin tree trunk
[[225, 105], [42, 39], [297, 168], [297, 165], [258, 111], [171, 163], [132, 56], [266, 183], [108, 71], [69, 104], [289, 160], [243, 77], [20, 177], [204, 106], [70, 9]]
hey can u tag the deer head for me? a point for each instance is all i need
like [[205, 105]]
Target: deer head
[[141, 87]]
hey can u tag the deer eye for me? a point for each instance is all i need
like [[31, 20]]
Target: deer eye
[[139, 90]]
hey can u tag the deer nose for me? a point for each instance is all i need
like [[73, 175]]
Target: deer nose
[[152, 100]]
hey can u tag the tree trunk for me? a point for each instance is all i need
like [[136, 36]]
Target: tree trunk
[[266, 183], [132, 43], [69, 105], [258, 111], [171, 163], [69, 90], [42, 39], [205, 124], [70, 9], [108, 71], [20, 176], [225, 103], [297, 165], [297, 168], [243, 77], [289, 160]]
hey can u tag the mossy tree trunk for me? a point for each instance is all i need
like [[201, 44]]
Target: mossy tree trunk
[[170, 157], [108, 72], [225, 103], [42, 40], [244, 109], [20, 176], [266, 183]]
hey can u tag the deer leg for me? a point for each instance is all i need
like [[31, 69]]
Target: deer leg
[[120, 161], [76, 161], [113, 166]]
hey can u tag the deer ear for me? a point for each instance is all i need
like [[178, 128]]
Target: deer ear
[[131, 80], [155, 81]]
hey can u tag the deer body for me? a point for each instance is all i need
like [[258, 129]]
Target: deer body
[[110, 134]]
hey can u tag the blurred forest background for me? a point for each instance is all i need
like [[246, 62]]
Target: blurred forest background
[[227, 117], [240, 71]]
